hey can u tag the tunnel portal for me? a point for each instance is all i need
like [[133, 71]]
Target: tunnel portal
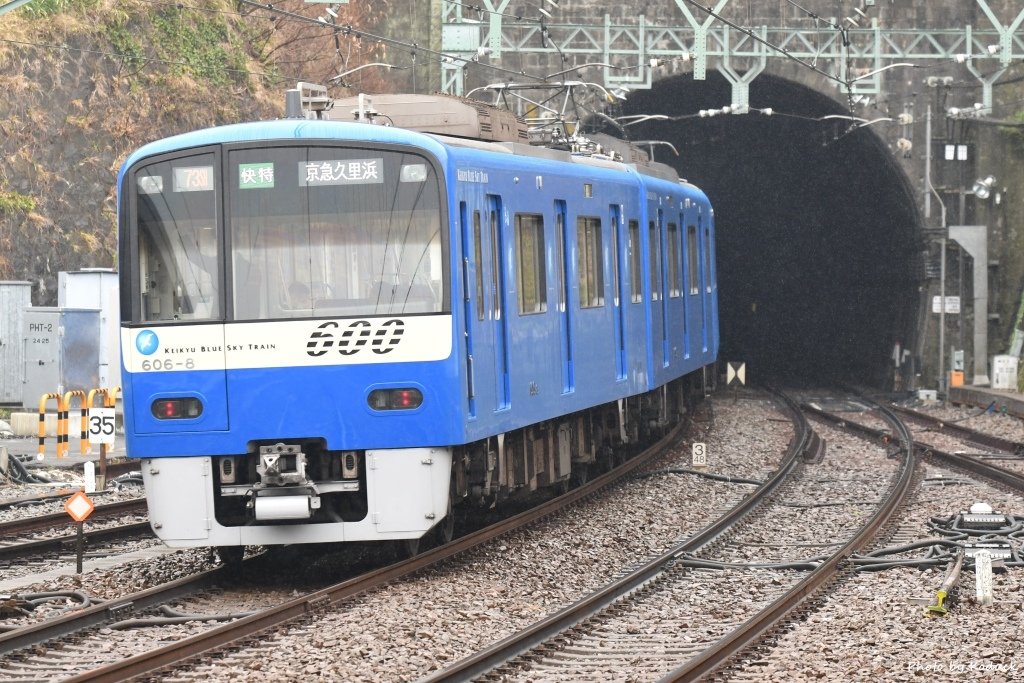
[[818, 228]]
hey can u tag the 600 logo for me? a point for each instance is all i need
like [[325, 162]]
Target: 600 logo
[[355, 337]]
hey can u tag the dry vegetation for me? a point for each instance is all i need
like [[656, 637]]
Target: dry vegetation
[[87, 81]]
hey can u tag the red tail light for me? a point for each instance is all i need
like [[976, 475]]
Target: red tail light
[[177, 408], [395, 399]]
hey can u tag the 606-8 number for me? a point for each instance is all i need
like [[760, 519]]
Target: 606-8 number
[[167, 364]]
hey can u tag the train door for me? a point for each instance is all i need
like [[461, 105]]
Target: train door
[[664, 288], [707, 281], [471, 289], [658, 326], [638, 312], [496, 267], [693, 278], [674, 302], [562, 248], [618, 292]]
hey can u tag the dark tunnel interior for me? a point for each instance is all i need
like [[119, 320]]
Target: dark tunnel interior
[[817, 227]]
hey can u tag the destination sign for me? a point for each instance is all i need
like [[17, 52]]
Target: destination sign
[[341, 172]]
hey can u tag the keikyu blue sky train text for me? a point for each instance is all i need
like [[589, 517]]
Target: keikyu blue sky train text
[[342, 330]]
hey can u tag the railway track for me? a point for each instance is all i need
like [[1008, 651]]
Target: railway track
[[28, 524], [76, 629], [642, 624], [961, 432], [114, 470], [66, 543], [301, 610], [971, 464]]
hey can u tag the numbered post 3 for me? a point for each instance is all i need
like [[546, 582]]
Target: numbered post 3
[[700, 454]]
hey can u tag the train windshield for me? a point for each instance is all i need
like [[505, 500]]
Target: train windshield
[[311, 231]]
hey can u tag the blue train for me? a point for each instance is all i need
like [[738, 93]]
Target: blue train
[[338, 330]]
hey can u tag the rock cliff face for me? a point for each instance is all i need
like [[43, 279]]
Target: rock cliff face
[[87, 81]]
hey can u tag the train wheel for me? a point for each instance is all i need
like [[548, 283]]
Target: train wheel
[[408, 547], [445, 531], [231, 555], [564, 486], [605, 461], [579, 475]]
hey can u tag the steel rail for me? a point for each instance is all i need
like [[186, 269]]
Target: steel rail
[[961, 432], [114, 469], [21, 526], [971, 465], [110, 610], [753, 630], [504, 650], [974, 466], [67, 541], [320, 600]]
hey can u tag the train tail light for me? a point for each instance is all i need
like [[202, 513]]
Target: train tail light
[[395, 399], [177, 408]]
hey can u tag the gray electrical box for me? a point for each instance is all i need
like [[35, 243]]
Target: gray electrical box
[[15, 297], [97, 288], [61, 352]]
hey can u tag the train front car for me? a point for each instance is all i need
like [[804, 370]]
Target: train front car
[[287, 333]]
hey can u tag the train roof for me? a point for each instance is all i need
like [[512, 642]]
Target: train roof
[[470, 123], [434, 122]]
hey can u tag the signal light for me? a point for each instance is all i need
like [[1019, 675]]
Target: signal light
[[177, 408], [395, 399]]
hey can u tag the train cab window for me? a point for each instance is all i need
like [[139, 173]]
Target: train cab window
[[330, 231], [532, 286], [176, 204], [636, 288], [655, 264], [590, 265], [692, 260], [674, 255]]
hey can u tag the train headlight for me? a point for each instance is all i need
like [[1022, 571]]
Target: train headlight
[[395, 399], [177, 408]]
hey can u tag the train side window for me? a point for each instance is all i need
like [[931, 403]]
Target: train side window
[[707, 260], [615, 260], [636, 289], [652, 234], [590, 266], [496, 266], [560, 267], [530, 259], [692, 262], [478, 255], [674, 254]]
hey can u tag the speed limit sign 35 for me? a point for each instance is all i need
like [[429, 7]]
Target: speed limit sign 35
[[101, 425]]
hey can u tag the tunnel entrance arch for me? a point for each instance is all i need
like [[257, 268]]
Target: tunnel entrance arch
[[819, 234]]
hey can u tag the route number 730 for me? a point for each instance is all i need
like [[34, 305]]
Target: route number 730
[[101, 425]]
